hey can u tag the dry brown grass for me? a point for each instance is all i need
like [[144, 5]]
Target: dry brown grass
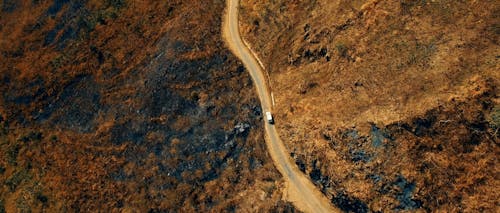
[[340, 65], [116, 49]]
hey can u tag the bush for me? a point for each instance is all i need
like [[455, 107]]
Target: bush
[[3, 129], [116, 3], [12, 152], [342, 49], [87, 23], [16, 179], [494, 119], [58, 61], [408, 5], [31, 136], [2, 208], [42, 198]]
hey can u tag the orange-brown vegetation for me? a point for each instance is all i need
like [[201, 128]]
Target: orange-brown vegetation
[[387, 105], [123, 105]]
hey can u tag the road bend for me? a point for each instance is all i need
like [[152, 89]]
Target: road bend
[[299, 189]]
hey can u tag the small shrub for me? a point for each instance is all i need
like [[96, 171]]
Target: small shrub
[[35, 136], [495, 28], [87, 23], [194, 96], [24, 138], [408, 5], [42, 198], [118, 4], [8, 6], [170, 11], [16, 179], [421, 53], [58, 61], [2, 207], [3, 129], [31, 136], [494, 119], [342, 49], [12, 152]]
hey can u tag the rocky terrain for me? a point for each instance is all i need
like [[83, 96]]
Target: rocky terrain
[[386, 105], [133, 106]]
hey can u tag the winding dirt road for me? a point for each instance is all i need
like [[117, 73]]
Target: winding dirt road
[[300, 190]]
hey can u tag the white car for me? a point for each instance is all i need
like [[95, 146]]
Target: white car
[[269, 118]]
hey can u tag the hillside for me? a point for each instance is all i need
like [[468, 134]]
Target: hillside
[[386, 105], [127, 106]]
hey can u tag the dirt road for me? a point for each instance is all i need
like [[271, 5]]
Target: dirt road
[[300, 189]]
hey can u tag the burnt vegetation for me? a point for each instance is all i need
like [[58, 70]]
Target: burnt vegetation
[[126, 105], [436, 143], [388, 105]]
